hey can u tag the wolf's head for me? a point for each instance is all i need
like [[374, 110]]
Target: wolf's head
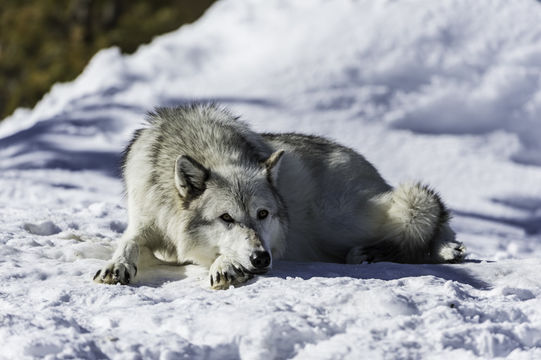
[[232, 210]]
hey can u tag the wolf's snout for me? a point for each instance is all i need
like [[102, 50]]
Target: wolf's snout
[[260, 259]]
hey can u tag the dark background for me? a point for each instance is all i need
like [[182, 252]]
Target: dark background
[[46, 41]]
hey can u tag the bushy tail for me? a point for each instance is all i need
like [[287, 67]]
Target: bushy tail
[[414, 214]]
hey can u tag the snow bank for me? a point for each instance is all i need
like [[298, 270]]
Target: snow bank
[[447, 67], [448, 92]]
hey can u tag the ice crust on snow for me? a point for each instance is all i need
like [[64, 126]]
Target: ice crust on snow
[[447, 92]]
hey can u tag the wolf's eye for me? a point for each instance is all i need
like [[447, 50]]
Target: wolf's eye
[[227, 218], [261, 214]]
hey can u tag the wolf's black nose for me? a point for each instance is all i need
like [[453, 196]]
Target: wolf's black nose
[[260, 259]]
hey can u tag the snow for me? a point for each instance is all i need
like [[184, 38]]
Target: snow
[[448, 92]]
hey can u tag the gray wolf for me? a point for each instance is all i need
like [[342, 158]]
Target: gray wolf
[[204, 188]]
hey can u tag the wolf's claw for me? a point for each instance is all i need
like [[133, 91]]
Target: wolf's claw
[[225, 272], [115, 273]]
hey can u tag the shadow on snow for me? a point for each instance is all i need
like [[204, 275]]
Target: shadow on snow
[[380, 271], [156, 275]]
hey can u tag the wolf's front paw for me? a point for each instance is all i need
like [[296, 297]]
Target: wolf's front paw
[[116, 272], [225, 272]]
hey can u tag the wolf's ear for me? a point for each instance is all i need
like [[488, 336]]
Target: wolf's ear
[[272, 165], [190, 176]]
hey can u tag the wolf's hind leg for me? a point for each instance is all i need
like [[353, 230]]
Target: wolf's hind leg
[[374, 253], [445, 247], [410, 226], [442, 252], [123, 266]]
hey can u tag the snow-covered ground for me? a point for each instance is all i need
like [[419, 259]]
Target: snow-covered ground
[[444, 91]]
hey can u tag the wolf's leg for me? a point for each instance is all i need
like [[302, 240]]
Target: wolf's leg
[[123, 266], [369, 254], [445, 247], [225, 271], [443, 251], [411, 226]]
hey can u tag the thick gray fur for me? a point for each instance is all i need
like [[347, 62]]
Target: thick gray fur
[[298, 197]]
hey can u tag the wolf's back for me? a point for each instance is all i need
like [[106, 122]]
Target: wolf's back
[[206, 132]]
